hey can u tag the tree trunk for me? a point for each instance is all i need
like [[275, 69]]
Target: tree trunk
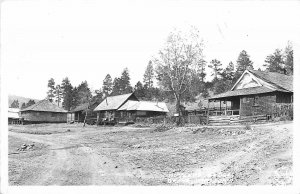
[[178, 110], [85, 117]]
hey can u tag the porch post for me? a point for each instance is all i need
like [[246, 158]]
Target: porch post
[[207, 117], [220, 107]]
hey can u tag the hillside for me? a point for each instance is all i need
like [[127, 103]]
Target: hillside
[[21, 99]]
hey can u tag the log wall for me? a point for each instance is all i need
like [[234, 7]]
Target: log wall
[[51, 117]]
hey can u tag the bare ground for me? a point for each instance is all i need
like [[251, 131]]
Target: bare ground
[[229, 155]]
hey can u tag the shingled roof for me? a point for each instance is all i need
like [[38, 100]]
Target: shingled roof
[[281, 80], [144, 106], [113, 102], [44, 106], [282, 83]]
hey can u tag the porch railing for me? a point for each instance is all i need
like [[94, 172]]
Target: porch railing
[[224, 112]]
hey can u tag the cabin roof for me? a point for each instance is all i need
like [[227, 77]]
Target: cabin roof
[[144, 106], [278, 79], [281, 82], [244, 92], [113, 102], [44, 106]]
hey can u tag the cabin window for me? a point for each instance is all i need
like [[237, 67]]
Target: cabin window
[[255, 101]]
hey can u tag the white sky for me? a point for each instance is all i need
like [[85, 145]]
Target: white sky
[[85, 40]]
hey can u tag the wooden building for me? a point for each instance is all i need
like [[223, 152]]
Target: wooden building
[[44, 111], [132, 110], [256, 94], [107, 110], [78, 114]]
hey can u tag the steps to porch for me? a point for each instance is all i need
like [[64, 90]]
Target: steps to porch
[[231, 119]]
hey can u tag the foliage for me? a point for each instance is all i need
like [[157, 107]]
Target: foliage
[[15, 104], [289, 59], [216, 66], [67, 94], [139, 90], [122, 85], [58, 94], [51, 89], [149, 75], [107, 85], [176, 64], [29, 103], [275, 62]]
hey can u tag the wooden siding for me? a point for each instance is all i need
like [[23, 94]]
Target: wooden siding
[[52, 117], [257, 104]]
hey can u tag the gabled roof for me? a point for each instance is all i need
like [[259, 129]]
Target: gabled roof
[[281, 80], [145, 106], [113, 102], [243, 92], [44, 106]]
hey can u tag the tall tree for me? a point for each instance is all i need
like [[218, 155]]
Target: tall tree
[[107, 85], [30, 102], [67, 94], [83, 93], [149, 75], [125, 82], [201, 69], [228, 73], [216, 66], [58, 94], [243, 62], [139, 90], [98, 96], [51, 89], [23, 105], [176, 64], [15, 104], [116, 87], [275, 62], [289, 59]]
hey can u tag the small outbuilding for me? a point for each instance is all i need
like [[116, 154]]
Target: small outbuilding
[[78, 114], [43, 111]]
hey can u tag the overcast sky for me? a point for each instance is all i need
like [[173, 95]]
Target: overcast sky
[[85, 40]]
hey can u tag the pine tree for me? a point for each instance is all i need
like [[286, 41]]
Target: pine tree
[[116, 87], [58, 94], [275, 62], [15, 104], [149, 75], [125, 82], [51, 89], [228, 73], [67, 94], [139, 90], [23, 105], [107, 85], [243, 62], [289, 59], [216, 66], [201, 69], [29, 103], [83, 93]]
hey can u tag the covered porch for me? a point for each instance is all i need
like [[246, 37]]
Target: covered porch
[[223, 106]]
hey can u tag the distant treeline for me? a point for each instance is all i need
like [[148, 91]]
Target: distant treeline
[[179, 70]]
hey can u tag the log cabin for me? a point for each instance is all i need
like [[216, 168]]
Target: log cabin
[[43, 111]]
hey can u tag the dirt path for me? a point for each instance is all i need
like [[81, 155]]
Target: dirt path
[[255, 163], [76, 164]]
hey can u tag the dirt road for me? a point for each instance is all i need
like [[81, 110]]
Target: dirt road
[[141, 156]]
